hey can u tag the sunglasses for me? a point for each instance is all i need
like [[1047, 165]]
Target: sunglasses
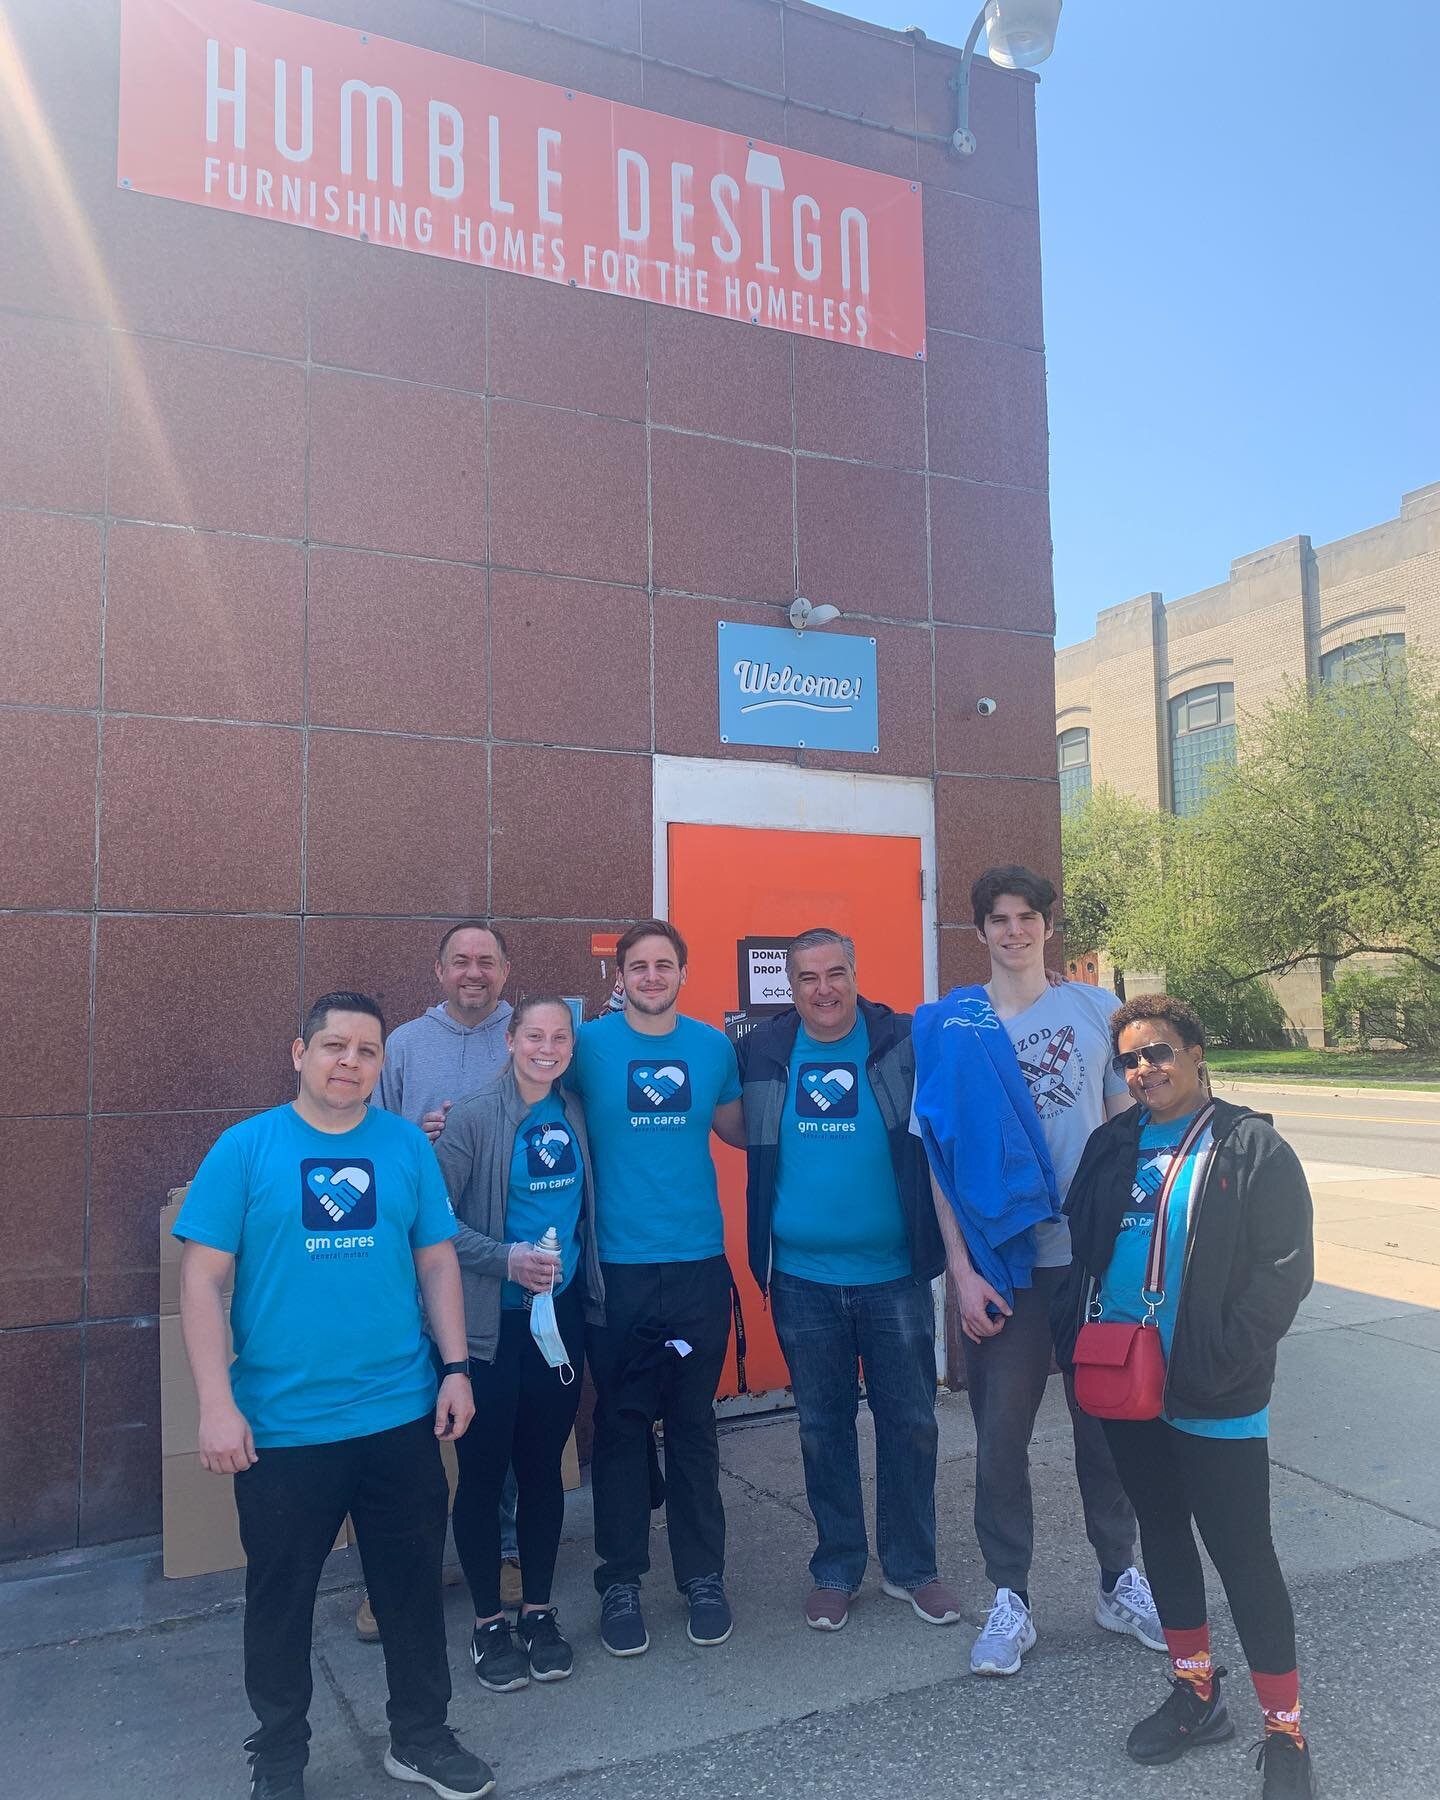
[[1157, 1056]]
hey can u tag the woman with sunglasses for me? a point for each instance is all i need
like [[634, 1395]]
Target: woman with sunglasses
[[517, 1165], [1234, 1260]]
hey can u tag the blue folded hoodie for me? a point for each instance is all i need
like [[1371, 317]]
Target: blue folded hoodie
[[982, 1135]]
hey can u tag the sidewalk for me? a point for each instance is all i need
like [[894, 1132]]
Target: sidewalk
[[113, 1682]]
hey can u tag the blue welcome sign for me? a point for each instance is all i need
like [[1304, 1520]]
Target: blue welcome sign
[[801, 690]]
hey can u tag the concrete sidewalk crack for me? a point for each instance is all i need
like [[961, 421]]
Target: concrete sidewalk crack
[[1344, 1493], [756, 1492], [366, 1743]]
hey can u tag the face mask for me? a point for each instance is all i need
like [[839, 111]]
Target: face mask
[[546, 1334]]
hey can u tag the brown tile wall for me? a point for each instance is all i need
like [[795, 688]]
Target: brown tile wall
[[340, 587]]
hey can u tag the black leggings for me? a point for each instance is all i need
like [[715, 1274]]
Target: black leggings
[[1224, 1485], [523, 1415]]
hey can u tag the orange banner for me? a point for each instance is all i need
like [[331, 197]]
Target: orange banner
[[255, 110]]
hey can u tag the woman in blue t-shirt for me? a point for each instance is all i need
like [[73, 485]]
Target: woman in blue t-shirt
[[1230, 1198], [517, 1165]]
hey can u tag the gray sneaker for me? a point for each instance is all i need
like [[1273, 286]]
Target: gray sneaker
[[1009, 1632], [1131, 1608]]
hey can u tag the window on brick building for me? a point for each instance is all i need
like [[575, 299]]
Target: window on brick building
[[1202, 738], [1072, 753], [1366, 661]]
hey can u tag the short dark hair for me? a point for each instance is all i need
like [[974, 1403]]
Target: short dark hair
[[341, 1001], [473, 925], [651, 928], [1165, 1010], [1011, 878], [524, 1007]]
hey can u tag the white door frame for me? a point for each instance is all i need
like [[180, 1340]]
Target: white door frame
[[699, 790]]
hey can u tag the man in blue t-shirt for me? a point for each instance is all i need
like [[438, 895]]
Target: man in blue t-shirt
[[334, 1219], [654, 1085], [843, 1234]]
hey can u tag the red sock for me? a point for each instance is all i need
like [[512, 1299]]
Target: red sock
[[1279, 1697], [1190, 1656]]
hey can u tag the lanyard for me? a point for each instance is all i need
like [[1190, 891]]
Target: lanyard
[[1153, 1292]]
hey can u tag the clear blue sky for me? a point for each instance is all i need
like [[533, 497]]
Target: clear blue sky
[[1241, 237]]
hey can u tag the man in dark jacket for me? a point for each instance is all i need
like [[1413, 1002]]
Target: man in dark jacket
[[843, 1236]]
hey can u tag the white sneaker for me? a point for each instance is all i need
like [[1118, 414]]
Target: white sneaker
[[1131, 1608], [1009, 1632]]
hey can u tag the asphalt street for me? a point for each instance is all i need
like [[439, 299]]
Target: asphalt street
[[1381, 1128]]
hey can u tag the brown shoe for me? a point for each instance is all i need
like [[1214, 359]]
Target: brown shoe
[[827, 1609], [366, 1629], [512, 1588], [936, 1601]]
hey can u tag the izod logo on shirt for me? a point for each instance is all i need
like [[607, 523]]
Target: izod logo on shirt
[[827, 1091], [659, 1092], [549, 1154]]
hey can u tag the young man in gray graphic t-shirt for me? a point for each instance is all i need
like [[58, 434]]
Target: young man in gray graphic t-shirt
[[1062, 1041]]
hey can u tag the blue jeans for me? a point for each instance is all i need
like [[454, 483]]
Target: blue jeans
[[826, 1332]]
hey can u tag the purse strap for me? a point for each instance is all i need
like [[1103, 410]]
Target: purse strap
[[1152, 1294]]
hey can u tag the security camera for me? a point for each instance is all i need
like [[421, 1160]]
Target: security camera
[[986, 707]]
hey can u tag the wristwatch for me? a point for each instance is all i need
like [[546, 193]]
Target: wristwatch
[[461, 1368]]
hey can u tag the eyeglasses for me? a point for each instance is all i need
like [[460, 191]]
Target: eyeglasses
[[1157, 1056]]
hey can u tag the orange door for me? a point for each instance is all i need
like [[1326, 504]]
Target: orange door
[[728, 883]]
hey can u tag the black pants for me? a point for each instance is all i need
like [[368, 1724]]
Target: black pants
[[1223, 1484], [523, 1415], [291, 1503], [638, 1380]]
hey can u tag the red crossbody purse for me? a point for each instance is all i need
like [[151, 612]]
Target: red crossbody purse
[[1120, 1368]]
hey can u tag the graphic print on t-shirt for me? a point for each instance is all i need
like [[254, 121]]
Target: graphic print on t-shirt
[[1145, 1190], [827, 1091], [659, 1087], [1053, 1071], [337, 1198], [549, 1151]]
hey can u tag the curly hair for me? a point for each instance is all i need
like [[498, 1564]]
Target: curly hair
[[1163, 1007]]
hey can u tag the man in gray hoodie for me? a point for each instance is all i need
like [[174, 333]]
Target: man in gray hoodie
[[451, 1051], [447, 1054]]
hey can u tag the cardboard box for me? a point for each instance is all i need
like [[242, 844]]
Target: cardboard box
[[201, 1532], [170, 1248]]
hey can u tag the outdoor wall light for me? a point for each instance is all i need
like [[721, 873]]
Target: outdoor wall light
[[803, 613], [1018, 35]]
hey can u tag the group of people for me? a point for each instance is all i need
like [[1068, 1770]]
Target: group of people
[[492, 1201]]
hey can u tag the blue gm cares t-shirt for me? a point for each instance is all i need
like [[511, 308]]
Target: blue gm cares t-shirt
[[1120, 1287], [649, 1102], [547, 1180], [837, 1214], [326, 1314]]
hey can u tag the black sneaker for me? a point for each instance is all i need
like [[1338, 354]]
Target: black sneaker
[[711, 1621], [1288, 1775], [551, 1658], [445, 1767], [1181, 1723], [499, 1665], [269, 1786], [622, 1624]]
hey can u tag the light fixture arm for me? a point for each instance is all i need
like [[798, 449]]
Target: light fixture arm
[[962, 139]]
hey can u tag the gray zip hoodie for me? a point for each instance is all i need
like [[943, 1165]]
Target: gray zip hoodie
[[433, 1059], [474, 1151]]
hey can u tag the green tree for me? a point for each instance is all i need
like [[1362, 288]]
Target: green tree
[[1324, 840], [1110, 847]]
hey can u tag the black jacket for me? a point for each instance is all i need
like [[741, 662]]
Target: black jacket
[[765, 1072], [1249, 1259]]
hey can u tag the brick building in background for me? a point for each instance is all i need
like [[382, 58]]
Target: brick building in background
[[1151, 701], [344, 591]]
